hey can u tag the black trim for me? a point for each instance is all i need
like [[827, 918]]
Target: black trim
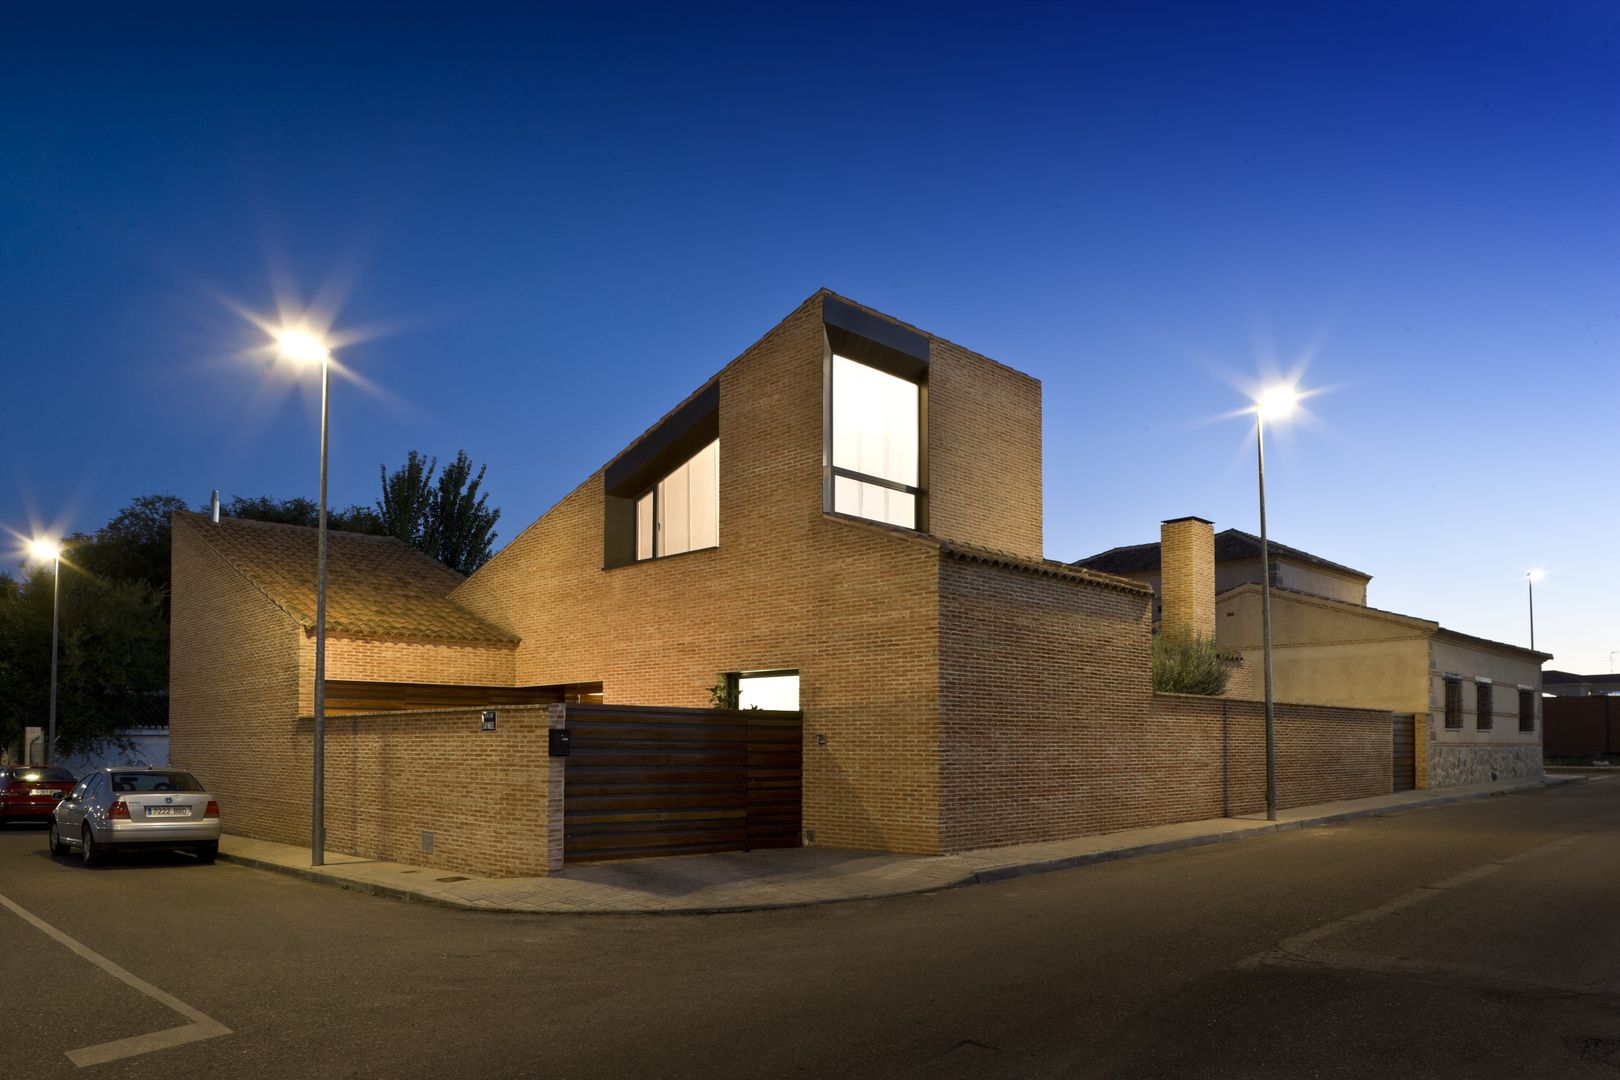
[[875, 342], [875, 481], [657, 454], [686, 431]]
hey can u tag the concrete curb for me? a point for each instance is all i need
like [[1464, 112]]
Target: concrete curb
[[986, 875]]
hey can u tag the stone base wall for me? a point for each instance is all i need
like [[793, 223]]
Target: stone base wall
[[1452, 766]]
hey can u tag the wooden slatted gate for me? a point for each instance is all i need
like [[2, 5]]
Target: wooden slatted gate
[[651, 781], [1404, 764]]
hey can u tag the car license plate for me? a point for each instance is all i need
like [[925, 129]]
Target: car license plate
[[46, 791], [168, 811]]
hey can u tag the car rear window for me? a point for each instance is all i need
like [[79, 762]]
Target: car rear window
[[48, 774], [154, 781]]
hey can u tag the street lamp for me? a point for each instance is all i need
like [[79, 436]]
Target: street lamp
[[1530, 579], [1274, 403], [303, 347], [45, 549]]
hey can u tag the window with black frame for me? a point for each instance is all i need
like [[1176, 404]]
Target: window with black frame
[[1527, 710], [1484, 707], [1453, 702]]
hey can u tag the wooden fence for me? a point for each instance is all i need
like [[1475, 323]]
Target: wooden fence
[[654, 781]]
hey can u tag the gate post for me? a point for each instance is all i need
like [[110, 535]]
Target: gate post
[[557, 717]]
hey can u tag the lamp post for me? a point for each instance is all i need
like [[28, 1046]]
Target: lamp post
[[1530, 579], [45, 549], [302, 347], [1273, 404]]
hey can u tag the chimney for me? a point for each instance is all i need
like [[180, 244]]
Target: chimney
[[1187, 575], [213, 506]]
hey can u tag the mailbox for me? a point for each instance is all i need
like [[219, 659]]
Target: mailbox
[[559, 743], [489, 720]]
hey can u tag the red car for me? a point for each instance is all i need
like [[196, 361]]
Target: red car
[[31, 792]]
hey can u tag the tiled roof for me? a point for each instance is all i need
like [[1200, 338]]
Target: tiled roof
[[376, 585], [1231, 545]]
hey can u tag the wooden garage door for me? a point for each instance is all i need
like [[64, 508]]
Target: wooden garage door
[[648, 781], [1404, 771]]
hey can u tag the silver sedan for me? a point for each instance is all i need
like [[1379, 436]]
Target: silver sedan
[[125, 806]]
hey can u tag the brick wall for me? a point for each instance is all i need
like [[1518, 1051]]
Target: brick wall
[[1049, 728], [233, 694], [487, 797], [851, 606], [410, 661]]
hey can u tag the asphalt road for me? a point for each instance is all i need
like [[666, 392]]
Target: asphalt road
[[1471, 940]]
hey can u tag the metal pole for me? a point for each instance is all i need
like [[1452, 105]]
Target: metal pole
[[317, 829], [1530, 584], [1265, 625], [56, 619]]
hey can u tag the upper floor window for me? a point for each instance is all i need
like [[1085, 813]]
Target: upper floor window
[[681, 512], [1453, 702], [876, 420], [1484, 710]]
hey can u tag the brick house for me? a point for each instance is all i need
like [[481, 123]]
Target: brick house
[[1475, 703], [845, 520]]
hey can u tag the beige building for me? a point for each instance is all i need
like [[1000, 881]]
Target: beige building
[[1475, 703]]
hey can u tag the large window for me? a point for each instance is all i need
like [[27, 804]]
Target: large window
[[875, 458], [1453, 702], [681, 512], [1527, 710], [1484, 711]]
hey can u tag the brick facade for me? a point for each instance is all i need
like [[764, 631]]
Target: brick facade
[[957, 690], [1187, 576]]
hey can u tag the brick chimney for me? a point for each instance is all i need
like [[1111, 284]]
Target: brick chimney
[[1187, 575]]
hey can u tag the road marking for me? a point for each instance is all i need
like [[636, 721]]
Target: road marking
[[1306, 949], [201, 1026]]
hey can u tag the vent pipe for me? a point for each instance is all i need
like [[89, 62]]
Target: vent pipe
[[213, 506]]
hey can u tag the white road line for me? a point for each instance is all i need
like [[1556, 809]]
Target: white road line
[[201, 1026]]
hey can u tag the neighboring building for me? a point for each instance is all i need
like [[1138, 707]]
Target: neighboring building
[[1476, 703], [845, 521], [1566, 684]]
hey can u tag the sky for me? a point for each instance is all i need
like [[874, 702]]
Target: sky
[[535, 229]]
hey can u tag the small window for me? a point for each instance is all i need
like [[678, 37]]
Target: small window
[[1453, 702], [1484, 717], [682, 511], [768, 690], [1527, 710]]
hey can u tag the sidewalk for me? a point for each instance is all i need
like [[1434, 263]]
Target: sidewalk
[[794, 877]]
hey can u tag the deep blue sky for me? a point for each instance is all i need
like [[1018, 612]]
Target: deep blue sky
[[562, 223]]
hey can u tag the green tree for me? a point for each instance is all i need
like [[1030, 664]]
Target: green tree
[[1184, 663], [459, 528], [113, 657], [407, 495], [134, 545], [306, 512]]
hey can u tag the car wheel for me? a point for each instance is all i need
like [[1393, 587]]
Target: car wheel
[[90, 850], [207, 853], [57, 847]]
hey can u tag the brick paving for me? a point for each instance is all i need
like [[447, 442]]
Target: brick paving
[[795, 877]]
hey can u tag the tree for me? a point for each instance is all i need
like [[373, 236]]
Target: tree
[[113, 657], [306, 512], [459, 529], [133, 546], [1184, 663], [407, 493]]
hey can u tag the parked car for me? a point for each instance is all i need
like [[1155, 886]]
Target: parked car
[[31, 792], [122, 807]]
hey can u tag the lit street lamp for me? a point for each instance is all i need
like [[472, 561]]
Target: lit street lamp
[[302, 347], [45, 549], [1275, 403], [1530, 579]]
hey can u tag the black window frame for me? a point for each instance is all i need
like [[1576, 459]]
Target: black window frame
[[1484, 706], [1453, 714], [1527, 709], [894, 350], [663, 449]]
